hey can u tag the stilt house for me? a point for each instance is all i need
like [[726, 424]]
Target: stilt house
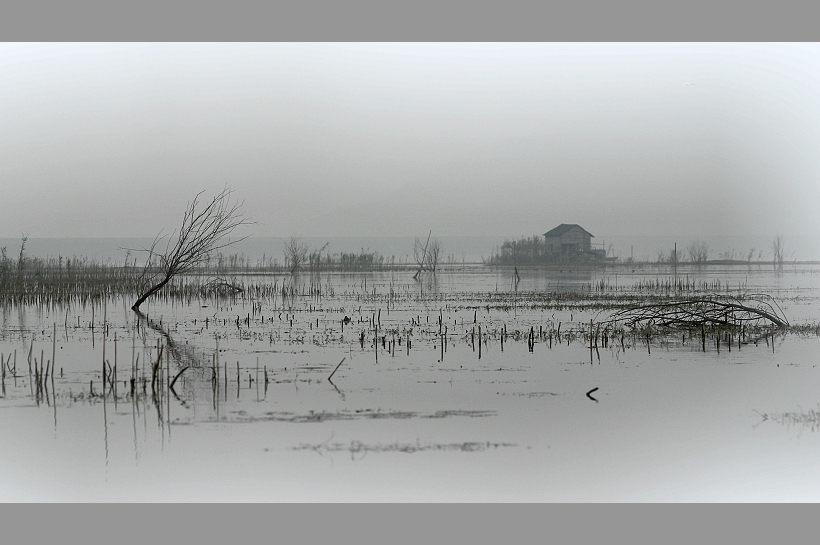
[[567, 239]]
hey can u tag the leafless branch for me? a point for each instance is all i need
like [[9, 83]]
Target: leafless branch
[[295, 254], [697, 312], [203, 231], [778, 250], [427, 255]]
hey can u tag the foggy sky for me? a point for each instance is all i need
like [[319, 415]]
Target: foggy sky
[[112, 140]]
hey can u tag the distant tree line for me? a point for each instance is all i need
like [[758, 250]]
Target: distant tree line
[[298, 256], [524, 251], [532, 251], [698, 252]]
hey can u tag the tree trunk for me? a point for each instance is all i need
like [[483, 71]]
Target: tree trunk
[[150, 292]]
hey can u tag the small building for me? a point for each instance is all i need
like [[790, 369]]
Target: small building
[[566, 240]]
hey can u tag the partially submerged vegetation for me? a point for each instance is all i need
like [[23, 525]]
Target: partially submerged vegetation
[[686, 313], [809, 418], [382, 357], [58, 280], [202, 233], [360, 449], [191, 268], [61, 280]]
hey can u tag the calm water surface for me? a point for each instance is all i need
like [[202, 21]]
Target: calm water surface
[[257, 419]]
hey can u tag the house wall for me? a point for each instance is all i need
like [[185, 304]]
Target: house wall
[[552, 244], [575, 236]]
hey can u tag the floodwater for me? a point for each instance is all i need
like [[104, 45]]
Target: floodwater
[[456, 416]]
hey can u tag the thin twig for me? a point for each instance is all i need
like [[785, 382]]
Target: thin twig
[[337, 368]]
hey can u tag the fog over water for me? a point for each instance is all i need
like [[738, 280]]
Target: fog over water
[[395, 140], [455, 249]]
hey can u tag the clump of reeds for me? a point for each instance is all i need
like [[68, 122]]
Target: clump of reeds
[[357, 448], [805, 418]]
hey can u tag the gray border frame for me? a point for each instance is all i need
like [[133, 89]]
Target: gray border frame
[[399, 21], [373, 20]]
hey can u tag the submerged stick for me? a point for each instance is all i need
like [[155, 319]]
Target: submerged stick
[[53, 348], [176, 377], [337, 368]]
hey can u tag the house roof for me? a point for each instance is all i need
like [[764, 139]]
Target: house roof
[[563, 228]]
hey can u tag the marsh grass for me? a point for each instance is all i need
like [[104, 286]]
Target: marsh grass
[[358, 449], [54, 281], [804, 418], [280, 308]]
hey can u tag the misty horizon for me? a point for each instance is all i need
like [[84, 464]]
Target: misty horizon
[[469, 248]]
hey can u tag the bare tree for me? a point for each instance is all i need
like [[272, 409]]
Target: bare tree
[[295, 254], [203, 231], [673, 256], [434, 252], [778, 250], [698, 252], [420, 254], [427, 255]]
